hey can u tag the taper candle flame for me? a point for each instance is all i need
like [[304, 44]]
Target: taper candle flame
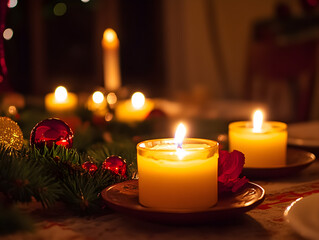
[[109, 36], [257, 121]]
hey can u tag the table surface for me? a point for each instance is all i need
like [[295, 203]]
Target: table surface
[[264, 222]]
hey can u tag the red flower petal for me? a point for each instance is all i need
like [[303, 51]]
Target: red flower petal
[[230, 166]]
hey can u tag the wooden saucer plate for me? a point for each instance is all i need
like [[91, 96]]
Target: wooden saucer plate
[[297, 160], [123, 197]]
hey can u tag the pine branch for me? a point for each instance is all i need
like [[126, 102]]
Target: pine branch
[[22, 178], [82, 191], [124, 149], [55, 174]]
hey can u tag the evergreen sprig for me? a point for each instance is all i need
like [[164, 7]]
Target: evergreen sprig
[[125, 149], [21, 178], [49, 175]]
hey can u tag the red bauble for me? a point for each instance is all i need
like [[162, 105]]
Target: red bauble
[[49, 131], [156, 113], [89, 166], [116, 164]]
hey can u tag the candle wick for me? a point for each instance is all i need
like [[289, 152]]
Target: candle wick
[[179, 145]]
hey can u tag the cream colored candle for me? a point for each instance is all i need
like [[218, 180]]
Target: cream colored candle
[[134, 110], [264, 144], [178, 177], [111, 62], [60, 101]]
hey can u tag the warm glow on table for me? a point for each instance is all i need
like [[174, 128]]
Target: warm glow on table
[[111, 62], [61, 100], [263, 143], [178, 176], [134, 110]]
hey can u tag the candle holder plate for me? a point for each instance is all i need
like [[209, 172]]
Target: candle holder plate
[[123, 197], [297, 160]]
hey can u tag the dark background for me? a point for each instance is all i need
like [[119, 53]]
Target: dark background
[[70, 48]]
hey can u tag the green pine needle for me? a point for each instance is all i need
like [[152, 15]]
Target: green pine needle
[[125, 150], [22, 178], [49, 175]]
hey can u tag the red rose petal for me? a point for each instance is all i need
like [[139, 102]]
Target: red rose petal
[[230, 166]]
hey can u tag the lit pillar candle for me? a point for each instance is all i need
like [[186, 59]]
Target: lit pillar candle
[[111, 62], [60, 101], [178, 175], [263, 143], [134, 110]]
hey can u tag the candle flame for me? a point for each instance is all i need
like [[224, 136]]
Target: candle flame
[[138, 100], [179, 138], [257, 121], [98, 97], [109, 35], [180, 135], [60, 94]]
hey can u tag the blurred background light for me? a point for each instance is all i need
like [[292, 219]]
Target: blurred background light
[[12, 3], [8, 34], [98, 97], [59, 9]]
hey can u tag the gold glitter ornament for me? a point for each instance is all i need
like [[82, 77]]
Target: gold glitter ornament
[[10, 133]]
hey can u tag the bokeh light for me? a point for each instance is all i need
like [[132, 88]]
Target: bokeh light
[[12, 110], [12, 3], [59, 9], [111, 98], [8, 34], [98, 97], [108, 117]]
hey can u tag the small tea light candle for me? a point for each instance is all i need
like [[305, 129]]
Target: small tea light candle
[[134, 110], [263, 143], [97, 103], [178, 174], [111, 60], [60, 101]]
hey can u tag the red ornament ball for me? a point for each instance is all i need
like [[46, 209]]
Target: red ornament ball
[[156, 113], [115, 164], [89, 166], [49, 131]]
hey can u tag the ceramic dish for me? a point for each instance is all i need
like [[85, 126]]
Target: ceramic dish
[[303, 216], [123, 197], [297, 160]]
